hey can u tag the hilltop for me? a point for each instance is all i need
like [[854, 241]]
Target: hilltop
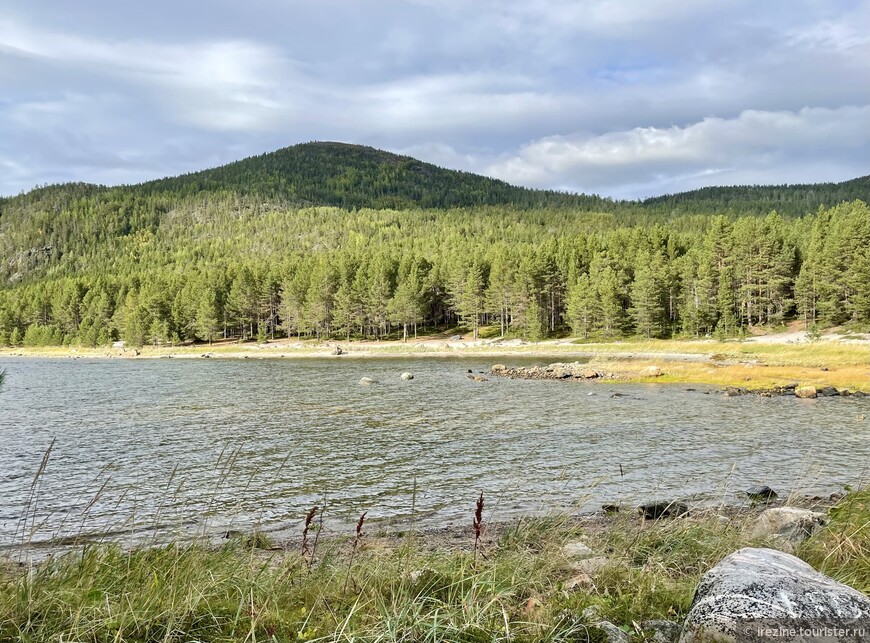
[[330, 240]]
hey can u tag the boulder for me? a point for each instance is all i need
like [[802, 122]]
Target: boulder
[[498, 368], [662, 509], [805, 392], [791, 524], [651, 371], [828, 391], [589, 374], [366, 381], [753, 589], [662, 631], [612, 633], [761, 492], [407, 376]]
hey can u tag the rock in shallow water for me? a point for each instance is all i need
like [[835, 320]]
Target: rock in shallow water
[[761, 492], [752, 589], [407, 376], [805, 392]]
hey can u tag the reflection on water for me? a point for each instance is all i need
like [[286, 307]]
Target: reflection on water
[[154, 448]]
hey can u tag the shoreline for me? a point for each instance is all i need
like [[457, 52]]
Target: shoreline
[[750, 364], [575, 575]]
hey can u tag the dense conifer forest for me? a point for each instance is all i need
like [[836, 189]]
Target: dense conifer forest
[[337, 241]]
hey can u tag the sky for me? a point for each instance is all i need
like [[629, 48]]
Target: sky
[[623, 98]]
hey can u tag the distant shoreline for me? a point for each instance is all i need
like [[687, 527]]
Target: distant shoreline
[[763, 362]]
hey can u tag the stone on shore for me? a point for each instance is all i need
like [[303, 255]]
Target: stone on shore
[[652, 371], [498, 368], [662, 631], [612, 633], [754, 588], [790, 524], [761, 492], [577, 551], [662, 509], [805, 392]]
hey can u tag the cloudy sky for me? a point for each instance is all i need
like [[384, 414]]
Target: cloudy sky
[[625, 98]]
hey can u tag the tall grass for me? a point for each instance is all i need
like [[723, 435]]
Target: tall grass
[[400, 591]]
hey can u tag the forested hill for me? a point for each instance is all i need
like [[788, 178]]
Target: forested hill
[[751, 199], [354, 176], [330, 240]]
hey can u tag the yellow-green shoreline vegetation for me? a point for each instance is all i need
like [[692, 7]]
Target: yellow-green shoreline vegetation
[[521, 583]]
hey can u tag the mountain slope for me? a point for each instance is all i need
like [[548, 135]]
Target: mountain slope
[[794, 199], [354, 176]]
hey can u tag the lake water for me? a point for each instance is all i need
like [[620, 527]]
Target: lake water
[[153, 449]]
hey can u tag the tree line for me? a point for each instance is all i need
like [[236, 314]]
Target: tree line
[[238, 268]]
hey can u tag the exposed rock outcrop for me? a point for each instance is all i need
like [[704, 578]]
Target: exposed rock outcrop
[[756, 588]]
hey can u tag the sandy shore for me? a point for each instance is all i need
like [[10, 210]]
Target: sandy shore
[[841, 361]]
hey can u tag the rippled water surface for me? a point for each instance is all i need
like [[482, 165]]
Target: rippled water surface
[[154, 448]]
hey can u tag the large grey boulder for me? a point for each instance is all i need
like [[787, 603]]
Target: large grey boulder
[[753, 589]]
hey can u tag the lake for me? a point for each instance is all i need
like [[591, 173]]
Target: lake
[[157, 449]]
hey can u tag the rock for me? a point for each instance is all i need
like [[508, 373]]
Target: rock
[[611, 632], [828, 391], [498, 368], [805, 392], [662, 509], [789, 523], [732, 391], [761, 492], [478, 378], [662, 631], [577, 551], [337, 351], [590, 566], [769, 588], [407, 376], [589, 374], [859, 394], [366, 381], [651, 371], [591, 613]]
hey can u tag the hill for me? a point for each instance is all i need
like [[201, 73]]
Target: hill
[[334, 240]]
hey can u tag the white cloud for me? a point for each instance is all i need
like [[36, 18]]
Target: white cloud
[[533, 89], [769, 146]]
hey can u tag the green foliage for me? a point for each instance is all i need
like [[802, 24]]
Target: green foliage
[[233, 253]]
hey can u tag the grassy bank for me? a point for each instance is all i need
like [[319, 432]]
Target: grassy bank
[[519, 584], [750, 364]]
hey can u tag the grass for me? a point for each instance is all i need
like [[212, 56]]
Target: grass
[[399, 589]]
